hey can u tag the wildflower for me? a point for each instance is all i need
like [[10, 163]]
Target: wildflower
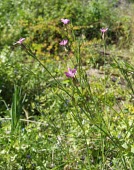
[[103, 30], [63, 42], [20, 41], [65, 21], [71, 73]]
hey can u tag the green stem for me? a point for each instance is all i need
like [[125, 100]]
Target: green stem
[[29, 51]]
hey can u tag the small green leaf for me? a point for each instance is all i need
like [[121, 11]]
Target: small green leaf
[[132, 148], [125, 146]]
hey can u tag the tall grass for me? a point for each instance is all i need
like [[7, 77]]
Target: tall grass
[[16, 109]]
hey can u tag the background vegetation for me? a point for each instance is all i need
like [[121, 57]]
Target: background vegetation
[[41, 126]]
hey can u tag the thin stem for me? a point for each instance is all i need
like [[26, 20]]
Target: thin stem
[[29, 51]]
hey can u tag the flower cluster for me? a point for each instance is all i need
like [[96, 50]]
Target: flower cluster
[[64, 42], [71, 72]]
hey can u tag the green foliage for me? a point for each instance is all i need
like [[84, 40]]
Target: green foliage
[[16, 109], [55, 122], [40, 21]]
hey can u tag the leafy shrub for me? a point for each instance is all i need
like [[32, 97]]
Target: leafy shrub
[[39, 21]]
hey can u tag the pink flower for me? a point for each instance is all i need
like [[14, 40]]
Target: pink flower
[[71, 73], [20, 41], [103, 30], [65, 21], [63, 42]]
